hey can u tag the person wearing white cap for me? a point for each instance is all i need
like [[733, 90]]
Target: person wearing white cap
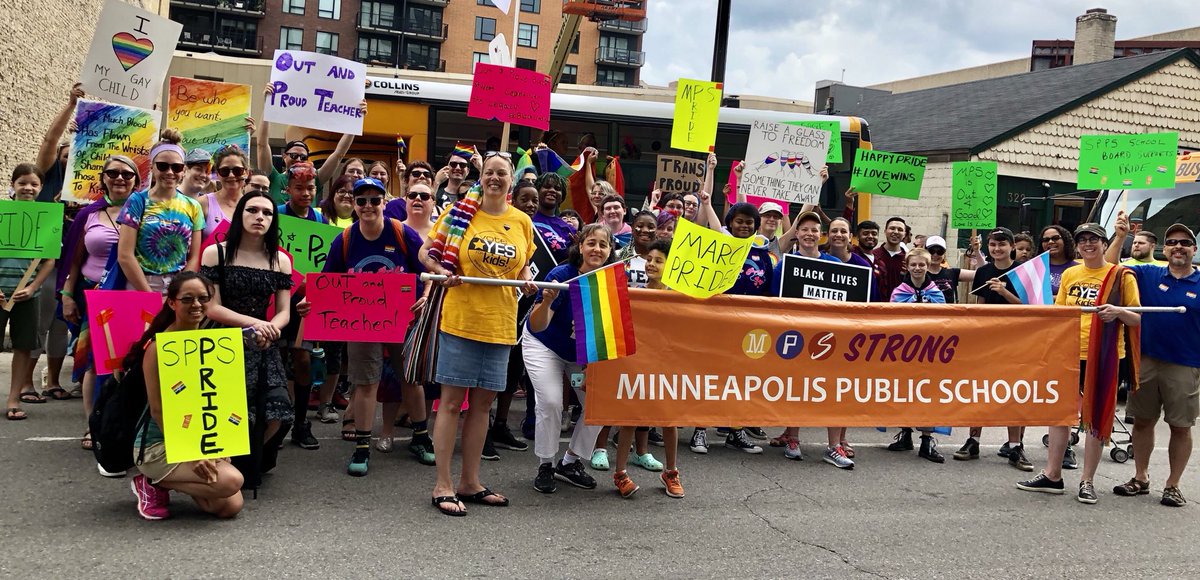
[[771, 215], [947, 279]]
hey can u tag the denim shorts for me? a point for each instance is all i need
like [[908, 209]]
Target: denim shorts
[[462, 362]]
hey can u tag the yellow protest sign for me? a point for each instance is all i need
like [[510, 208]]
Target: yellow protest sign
[[697, 105], [202, 379], [704, 262]]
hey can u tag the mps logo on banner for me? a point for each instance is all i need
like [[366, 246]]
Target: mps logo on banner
[[814, 279]]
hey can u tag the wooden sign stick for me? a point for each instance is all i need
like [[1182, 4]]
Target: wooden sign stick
[[33, 266]]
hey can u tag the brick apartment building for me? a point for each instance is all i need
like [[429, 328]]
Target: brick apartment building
[[430, 35]]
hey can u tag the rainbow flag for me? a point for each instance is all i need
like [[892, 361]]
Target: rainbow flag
[[1032, 280], [603, 324], [401, 146], [463, 151]]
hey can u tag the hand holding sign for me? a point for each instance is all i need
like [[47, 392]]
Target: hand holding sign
[[784, 162]]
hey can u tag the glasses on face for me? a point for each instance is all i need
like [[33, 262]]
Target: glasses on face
[[457, 165], [1180, 243], [298, 156], [190, 300], [1048, 239], [363, 201], [163, 167], [420, 174], [236, 171], [936, 250], [425, 196], [691, 204], [264, 211], [118, 174], [344, 193], [1087, 240]]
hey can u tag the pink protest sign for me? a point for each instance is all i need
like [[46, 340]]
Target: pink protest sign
[[754, 199], [217, 236], [359, 307], [510, 95], [117, 319]]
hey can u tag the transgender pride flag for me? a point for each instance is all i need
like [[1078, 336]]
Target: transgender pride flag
[[1032, 280]]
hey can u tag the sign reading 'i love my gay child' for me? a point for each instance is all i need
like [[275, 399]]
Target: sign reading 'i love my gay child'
[[130, 54]]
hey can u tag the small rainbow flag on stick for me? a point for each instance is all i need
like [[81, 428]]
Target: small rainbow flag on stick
[[603, 324], [463, 151], [1032, 280], [401, 146]]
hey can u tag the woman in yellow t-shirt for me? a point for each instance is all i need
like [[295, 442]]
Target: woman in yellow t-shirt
[[478, 325]]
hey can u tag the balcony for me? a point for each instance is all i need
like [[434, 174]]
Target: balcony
[[249, 7], [375, 58], [620, 56], [415, 62], [614, 83], [371, 22], [441, 3], [427, 31], [638, 27], [388, 59], [229, 43]]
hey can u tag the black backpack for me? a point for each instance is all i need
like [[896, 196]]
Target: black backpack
[[116, 419]]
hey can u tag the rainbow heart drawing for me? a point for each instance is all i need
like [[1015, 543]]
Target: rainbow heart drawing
[[130, 50]]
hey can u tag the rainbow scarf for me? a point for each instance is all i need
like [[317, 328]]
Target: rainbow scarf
[[1104, 357], [600, 308], [449, 234]]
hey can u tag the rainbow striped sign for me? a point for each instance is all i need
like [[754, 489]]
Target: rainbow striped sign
[[210, 114], [106, 129], [603, 324]]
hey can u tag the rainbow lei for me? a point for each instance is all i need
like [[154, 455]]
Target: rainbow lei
[[450, 231]]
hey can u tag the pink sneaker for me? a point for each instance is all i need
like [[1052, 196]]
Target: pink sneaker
[[151, 499]]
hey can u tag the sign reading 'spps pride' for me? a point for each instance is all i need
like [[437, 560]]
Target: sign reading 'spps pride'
[[202, 378], [130, 54], [317, 91], [510, 95]]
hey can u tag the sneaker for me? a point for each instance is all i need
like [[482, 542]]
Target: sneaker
[[1132, 487], [151, 499], [647, 462], [969, 450], [1087, 493], [837, 458], [903, 441], [110, 474], [302, 437], [574, 475], [421, 447], [1173, 497], [544, 482], [566, 421], [340, 402], [1004, 450], [503, 438], [756, 433], [600, 460], [791, 450], [576, 413], [358, 464], [384, 444], [1043, 484], [1016, 458], [656, 438], [327, 414], [929, 450], [1069, 461], [314, 400], [670, 479], [737, 440], [489, 450], [625, 485], [699, 442]]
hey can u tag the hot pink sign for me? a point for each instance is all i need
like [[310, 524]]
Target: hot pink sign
[[510, 95], [117, 319], [217, 236], [359, 307], [754, 199]]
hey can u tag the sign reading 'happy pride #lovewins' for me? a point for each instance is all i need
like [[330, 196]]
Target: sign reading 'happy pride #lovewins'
[[780, 362], [211, 115], [318, 91], [202, 382], [784, 162], [116, 320], [891, 174], [974, 203], [307, 242], [510, 95], [130, 54], [1128, 161], [105, 129], [359, 307], [30, 229], [697, 107]]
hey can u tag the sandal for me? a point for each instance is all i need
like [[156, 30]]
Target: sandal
[[348, 432], [57, 393], [32, 397], [86, 442], [460, 512], [481, 498], [848, 450], [15, 414], [77, 392]]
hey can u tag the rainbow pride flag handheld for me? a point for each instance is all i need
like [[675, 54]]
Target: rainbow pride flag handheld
[[1032, 280], [401, 146], [603, 324], [464, 151]]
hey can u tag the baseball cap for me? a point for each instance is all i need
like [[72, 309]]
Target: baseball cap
[[1090, 228], [808, 215], [291, 144], [369, 183], [938, 241], [197, 156], [767, 206], [1001, 232], [1181, 228]]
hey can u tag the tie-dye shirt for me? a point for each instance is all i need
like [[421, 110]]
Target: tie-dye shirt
[[164, 230]]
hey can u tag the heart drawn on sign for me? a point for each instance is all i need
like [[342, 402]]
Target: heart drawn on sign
[[986, 212], [131, 50], [884, 186], [988, 187]]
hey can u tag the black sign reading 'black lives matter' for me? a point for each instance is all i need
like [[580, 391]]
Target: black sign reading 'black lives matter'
[[824, 280]]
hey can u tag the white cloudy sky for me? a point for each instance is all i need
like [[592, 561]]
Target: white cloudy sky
[[781, 48]]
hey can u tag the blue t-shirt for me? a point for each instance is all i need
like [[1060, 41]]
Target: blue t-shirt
[[756, 276], [777, 275], [559, 335], [555, 232], [1166, 335], [384, 254], [314, 214], [396, 209]]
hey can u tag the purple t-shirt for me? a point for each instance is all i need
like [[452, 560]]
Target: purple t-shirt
[[555, 232], [1056, 275], [384, 254]]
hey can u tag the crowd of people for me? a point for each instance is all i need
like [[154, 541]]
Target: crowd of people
[[478, 217]]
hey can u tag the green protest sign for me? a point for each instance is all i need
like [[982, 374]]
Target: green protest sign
[[835, 140], [891, 174], [307, 241], [1128, 161], [30, 229], [973, 205]]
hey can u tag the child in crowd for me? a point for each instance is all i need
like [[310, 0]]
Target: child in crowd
[[1023, 246], [918, 288]]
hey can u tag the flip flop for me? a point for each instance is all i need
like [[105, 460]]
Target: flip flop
[[349, 434], [15, 414], [438, 501], [481, 498], [32, 397], [86, 441], [57, 393]]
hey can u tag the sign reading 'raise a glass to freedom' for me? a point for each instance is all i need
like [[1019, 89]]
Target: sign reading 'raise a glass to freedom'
[[317, 91]]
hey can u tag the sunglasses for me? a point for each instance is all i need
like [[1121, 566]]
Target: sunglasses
[[457, 165], [363, 201], [298, 156], [264, 212], [504, 154], [190, 300], [420, 174], [936, 250], [236, 171], [1181, 243], [423, 195], [118, 174], [163, 167], [1049, 239]]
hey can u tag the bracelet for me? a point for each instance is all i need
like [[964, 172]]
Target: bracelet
[[66, 293]]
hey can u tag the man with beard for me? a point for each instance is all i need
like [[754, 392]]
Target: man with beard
[[1141, 251], [890, 256], [448, 178]]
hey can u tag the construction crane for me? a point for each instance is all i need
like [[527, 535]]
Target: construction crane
[[595, 10]]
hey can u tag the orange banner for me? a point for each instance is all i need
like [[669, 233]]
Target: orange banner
[[737, 360]]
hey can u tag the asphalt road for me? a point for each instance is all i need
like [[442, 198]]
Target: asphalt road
[[760, 516]]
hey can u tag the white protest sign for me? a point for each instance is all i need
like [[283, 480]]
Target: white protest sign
[[317, 91], [130, 54], [784, 162]]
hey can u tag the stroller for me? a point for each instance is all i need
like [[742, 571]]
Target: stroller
[[1121, 438]]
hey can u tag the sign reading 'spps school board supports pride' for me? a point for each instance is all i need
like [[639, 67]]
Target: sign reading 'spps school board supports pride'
[[1144, 161], [318, 91], [359, 307], [202, 378], [105, 129], [704, 262], [510, 95], [211, 115], [130, 54], [677, 174], [30, 229], [784, 162], [697, 107], [974, 203], [810, 364], [814, 279], [891, 174], [307, 242]]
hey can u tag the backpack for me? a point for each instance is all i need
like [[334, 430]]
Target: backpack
[[116, 419], [397, 228]]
